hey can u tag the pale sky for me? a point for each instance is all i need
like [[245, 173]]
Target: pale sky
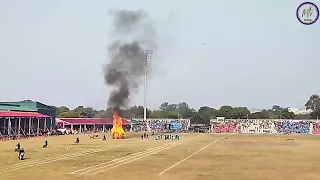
[[255, 53]]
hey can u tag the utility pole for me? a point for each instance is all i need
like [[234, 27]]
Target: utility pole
[[146, 65]]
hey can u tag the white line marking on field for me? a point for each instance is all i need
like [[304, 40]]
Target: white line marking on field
[[118, 160], [188, 156], [145, 155], [256, 143], [54, 157], [45, 161]]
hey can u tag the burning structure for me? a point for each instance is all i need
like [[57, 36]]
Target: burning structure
[[117, 130], [124, 72]]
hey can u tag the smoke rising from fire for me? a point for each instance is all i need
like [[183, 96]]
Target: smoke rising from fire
[[133, 32]]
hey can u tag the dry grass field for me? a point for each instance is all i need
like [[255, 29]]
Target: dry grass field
[[195, 156]]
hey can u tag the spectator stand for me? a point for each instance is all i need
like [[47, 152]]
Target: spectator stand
[[258, 126], [85, 125], [160, 125], [266, 126], [138, 125], [315, 127], [289, 126], [200, 128], [16, 125], [222, 125]]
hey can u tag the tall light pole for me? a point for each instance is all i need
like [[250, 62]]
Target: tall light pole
[[146, 64]]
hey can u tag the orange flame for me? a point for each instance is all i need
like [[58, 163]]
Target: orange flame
[[117, 130]]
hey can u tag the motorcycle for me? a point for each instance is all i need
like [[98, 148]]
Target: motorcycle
[[21, 156]]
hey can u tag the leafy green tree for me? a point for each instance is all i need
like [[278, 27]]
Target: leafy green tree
[[196, 119], [313, 104], [164, 106], [259, 115], [184, 110], [240, 113], [69, 114], [61, 109], [201, 116], [285, 114], [157, 114], [206, 113], [137, 111], [104, 113], [276, 108], [84, 112], [302, 116], [225, 111]]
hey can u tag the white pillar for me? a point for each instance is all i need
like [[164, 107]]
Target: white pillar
[[104, 128], [38, 126], [19, 127], [80, 128], [50, 124], [4, 123], [29, 126], [15, 126], [25, 126], [45, 124], [9, 126]]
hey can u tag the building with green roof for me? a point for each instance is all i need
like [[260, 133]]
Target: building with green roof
[[30, 106]]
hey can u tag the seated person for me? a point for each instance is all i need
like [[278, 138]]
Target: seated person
[[77, 140], [104, 138]]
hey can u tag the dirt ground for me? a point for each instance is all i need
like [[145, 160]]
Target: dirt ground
[[195, 156]]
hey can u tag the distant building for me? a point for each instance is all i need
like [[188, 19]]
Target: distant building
[[30, 106], [298, 111], [255, 110]]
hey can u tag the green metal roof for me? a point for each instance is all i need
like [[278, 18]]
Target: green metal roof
[[10, 108], [19, 106]]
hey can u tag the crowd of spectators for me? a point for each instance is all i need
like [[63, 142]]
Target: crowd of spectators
[[160, 125], [225, 127], [300, 127], [157, 125], [315, 127], [185, 124], [229, 126], [256, 126], [138, 125], [265, 126]]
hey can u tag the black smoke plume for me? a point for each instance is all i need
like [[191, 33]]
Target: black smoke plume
[[125, 71]]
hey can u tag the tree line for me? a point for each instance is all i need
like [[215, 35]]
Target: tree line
[[201, 116]]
